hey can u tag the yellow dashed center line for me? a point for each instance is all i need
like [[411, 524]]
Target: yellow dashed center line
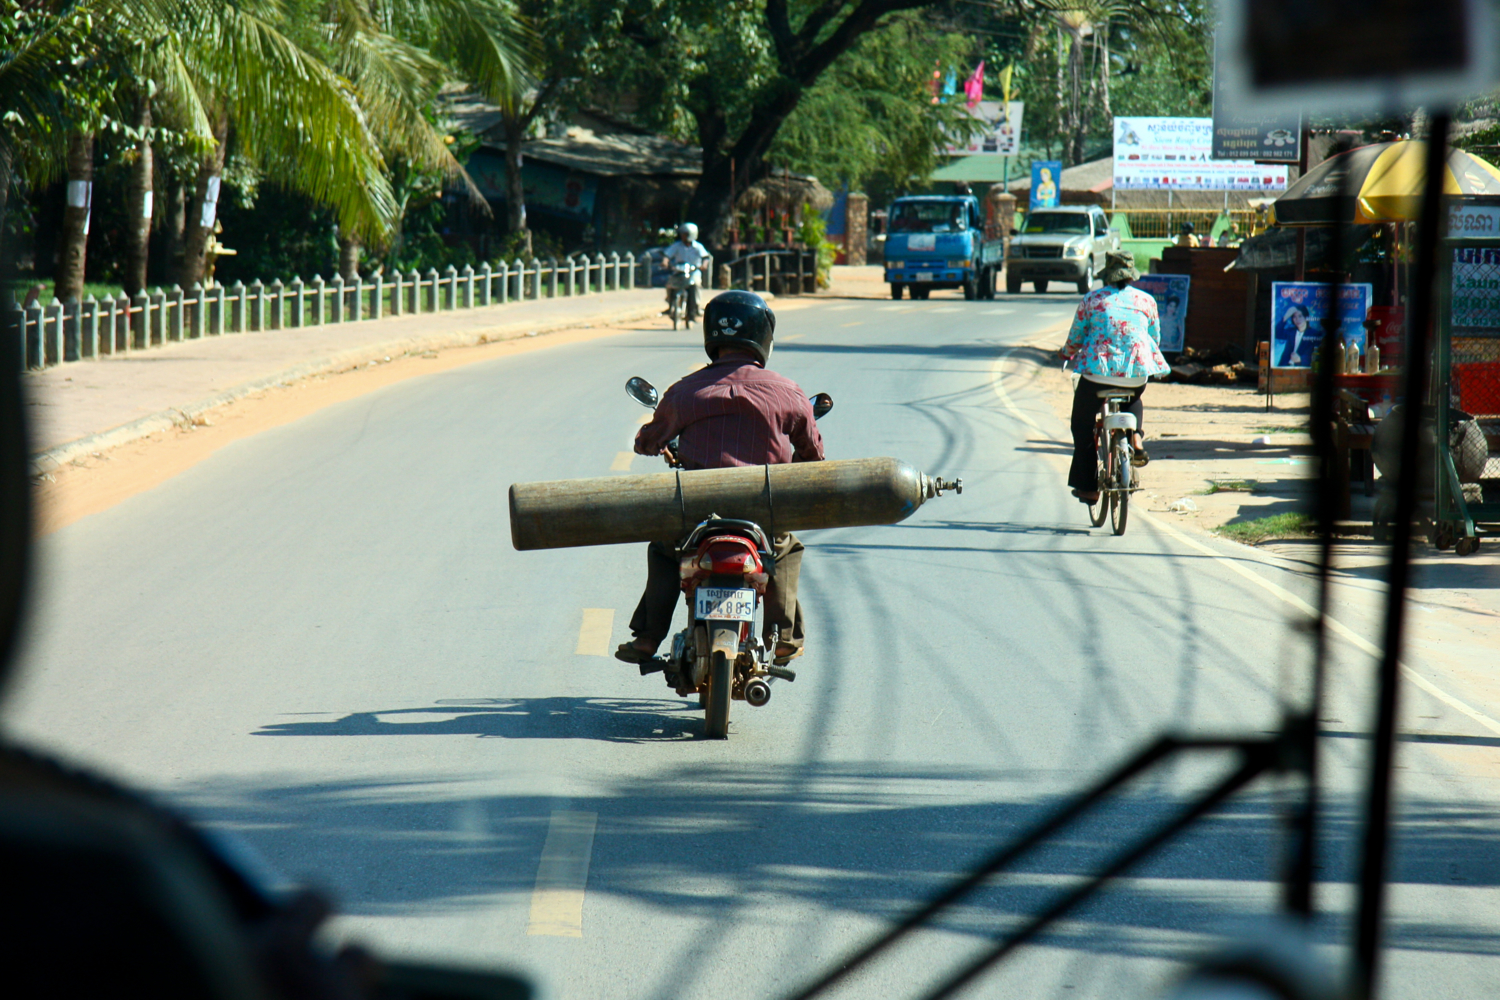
[[562, 875], [594, 634], [622, 461]]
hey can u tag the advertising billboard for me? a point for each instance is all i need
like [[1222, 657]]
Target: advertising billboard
[[1158, 154], [1171, 294], [1000, 131]]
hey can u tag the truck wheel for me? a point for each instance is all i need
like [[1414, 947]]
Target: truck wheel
[[920, 293], [987, 284], [971, 290], [1040, 286], [1086, 283], [896, 287], [1012, 285]]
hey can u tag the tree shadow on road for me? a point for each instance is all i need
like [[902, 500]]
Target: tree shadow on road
[[705, 839]]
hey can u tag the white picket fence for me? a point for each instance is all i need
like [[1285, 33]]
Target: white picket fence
[[94, 328]]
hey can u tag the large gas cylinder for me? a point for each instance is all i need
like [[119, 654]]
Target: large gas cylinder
[[665, 506]]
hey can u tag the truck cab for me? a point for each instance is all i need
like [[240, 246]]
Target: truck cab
[[937, 241], [1065, 243]]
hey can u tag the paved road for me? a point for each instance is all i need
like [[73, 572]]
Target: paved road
[[321, 643]]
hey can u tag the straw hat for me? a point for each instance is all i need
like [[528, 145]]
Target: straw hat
[[1119, 265]]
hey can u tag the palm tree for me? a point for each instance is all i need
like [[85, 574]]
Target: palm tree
[[399, 53]]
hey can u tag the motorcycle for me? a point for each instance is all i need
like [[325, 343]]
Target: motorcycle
[[680, 283], [725, 565]]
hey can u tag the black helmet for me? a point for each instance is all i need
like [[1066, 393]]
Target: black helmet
[[738, 319]]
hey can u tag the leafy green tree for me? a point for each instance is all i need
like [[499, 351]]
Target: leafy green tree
[[871, 114], [727, 75]]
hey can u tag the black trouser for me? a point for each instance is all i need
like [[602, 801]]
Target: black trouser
[[1084, 475], [653, 615]]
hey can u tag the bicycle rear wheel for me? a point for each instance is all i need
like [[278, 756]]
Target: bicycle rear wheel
[[1120, 509], [1099, 509]]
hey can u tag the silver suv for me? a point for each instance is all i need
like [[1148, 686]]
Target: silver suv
[[1067, 243]]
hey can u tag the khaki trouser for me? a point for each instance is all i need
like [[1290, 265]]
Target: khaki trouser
[[652, 620]]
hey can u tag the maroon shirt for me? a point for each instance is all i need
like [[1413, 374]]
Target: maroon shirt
[[734, 412]]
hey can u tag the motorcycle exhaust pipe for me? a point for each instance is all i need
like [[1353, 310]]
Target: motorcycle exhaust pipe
[[757, 692]]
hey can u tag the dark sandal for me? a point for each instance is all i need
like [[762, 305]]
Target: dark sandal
[[1139, 457], [1085, 500], [630, 653], [781, 659]]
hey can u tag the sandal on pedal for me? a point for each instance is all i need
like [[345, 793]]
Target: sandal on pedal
[[1139, 457], [1085, 500], [785, 655], [629, 652]]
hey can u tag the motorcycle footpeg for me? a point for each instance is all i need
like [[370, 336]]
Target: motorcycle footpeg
[[782, 672], [652, 665]]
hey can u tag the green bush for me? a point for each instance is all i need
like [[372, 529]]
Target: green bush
[[813, 232]]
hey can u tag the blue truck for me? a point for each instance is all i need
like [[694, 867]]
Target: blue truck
[[937, 241]]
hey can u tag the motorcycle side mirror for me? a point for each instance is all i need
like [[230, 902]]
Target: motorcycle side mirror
[[821, 404], [643, 392]]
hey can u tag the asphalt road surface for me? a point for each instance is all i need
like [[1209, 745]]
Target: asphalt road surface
[[321, 644]]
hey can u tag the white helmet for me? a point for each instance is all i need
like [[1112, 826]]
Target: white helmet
[[687, 230]]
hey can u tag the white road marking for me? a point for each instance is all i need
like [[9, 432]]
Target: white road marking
[[858, 322], [841, 308], [1334, 625], [595, 632], [562, 875], [622, 461], [1055, 312], [947, 309], [1002, 311]]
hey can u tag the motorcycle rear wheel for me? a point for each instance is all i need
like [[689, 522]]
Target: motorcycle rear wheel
[[716, 699]]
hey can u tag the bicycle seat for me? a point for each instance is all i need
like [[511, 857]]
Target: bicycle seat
[[1116, 391]]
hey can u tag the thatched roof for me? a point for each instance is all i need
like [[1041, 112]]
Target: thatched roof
[[785, 191]]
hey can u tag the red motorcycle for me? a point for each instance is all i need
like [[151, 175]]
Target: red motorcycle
[[725, 567]]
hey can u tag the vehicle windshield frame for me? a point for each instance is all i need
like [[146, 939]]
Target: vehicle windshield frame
[[942, 220], [1081, 220]]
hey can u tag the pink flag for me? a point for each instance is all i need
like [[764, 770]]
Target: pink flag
[[974, 87]]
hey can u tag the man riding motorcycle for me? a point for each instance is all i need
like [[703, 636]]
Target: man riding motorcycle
[[687, 250], [733, 412]]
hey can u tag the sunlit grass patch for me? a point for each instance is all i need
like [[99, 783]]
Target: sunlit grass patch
[[1289, 525]]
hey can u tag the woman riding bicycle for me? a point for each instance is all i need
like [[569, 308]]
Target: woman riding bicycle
[[1114, 341]]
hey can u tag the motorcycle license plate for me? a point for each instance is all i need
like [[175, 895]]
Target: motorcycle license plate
[[736, 604], [924, 276]]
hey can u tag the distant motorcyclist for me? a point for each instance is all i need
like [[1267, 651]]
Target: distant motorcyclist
[[733, 412], [687, 250]]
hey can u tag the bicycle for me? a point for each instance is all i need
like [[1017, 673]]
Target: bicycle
[[1112, 455], [1112, 430]]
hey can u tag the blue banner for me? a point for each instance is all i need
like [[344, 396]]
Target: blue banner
[[1301, 311], [1046, 184], [1171, 294]]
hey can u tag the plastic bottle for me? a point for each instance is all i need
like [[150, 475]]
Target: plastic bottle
[[1339, 358], [1351, 363], [1372, 358]]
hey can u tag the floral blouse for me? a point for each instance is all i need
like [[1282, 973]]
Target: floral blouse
[[1116, 332]]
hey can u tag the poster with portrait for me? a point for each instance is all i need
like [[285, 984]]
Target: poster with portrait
[[1046, 184], [1302, 312], [1171, 294]]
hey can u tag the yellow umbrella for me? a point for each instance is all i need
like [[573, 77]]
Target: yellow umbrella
[[1385, 184]]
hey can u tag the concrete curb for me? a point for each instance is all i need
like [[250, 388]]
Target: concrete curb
[[46, 461]]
